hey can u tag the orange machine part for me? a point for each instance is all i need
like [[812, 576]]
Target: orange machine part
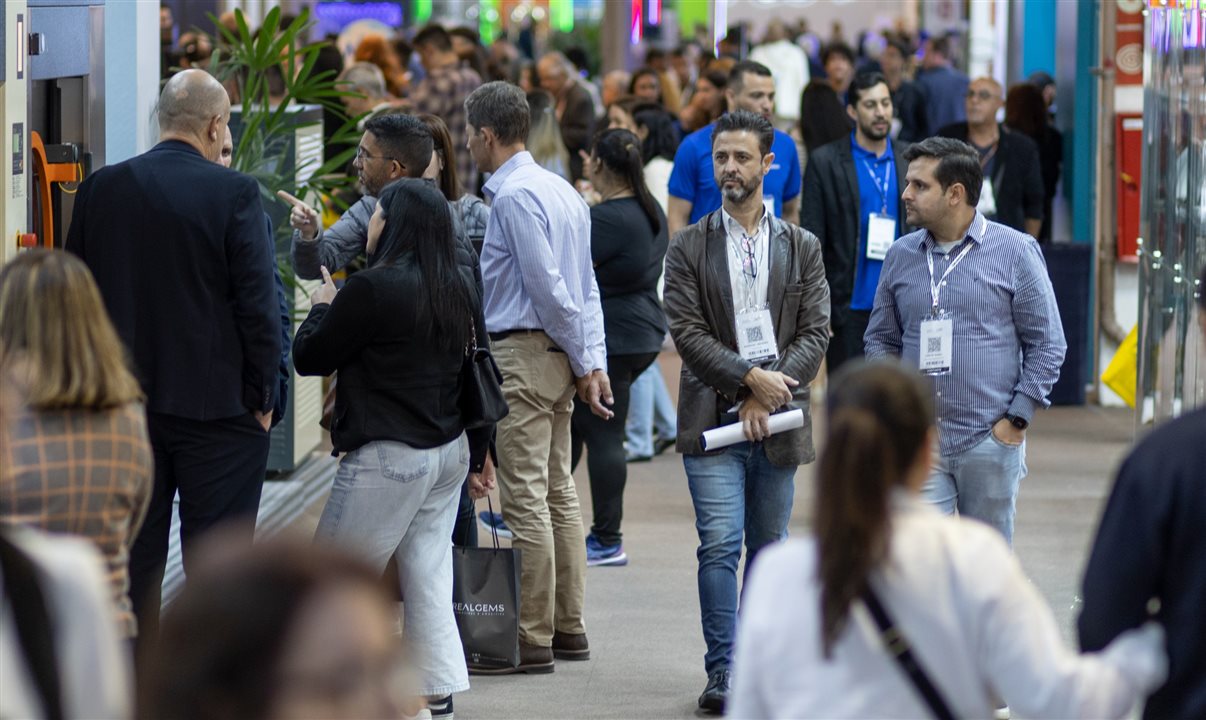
[[47, 174], [1128, 143]]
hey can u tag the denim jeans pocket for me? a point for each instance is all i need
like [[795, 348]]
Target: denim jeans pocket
[[1002, 443], [402, 463]]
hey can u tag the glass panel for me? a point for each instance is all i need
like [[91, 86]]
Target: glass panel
[[1172, 356]]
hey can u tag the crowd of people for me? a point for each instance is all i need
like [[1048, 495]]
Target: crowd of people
[[764, 213]]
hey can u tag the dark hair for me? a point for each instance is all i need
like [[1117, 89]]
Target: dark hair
[[620, 152], [434, 35], [577, 55], [443, 146], [718, 78], [503, 108], [958, 162], [900, 46], [222, 641], [467, 33], [627, 103], [1026, 111], [641, 72], [743, 120], [418, 221], [837, 48], [738, 72], [940, 44], [405, 139], [654, 54], [879, 414], [822, 117], [861, 83], [662, 138]]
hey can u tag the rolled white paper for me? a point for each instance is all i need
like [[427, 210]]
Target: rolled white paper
[[726, 435]]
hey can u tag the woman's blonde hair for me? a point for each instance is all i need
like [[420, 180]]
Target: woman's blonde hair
[[544, 134], [56, 338]]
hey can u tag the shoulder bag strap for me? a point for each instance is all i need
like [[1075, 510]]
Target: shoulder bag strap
[[23, 593], [898, 647]]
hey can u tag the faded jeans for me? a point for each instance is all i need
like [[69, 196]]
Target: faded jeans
[[736, 492], [980, 482], [393, 500], [650, 409]]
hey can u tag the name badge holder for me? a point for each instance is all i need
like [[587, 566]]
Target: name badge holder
[[756, 335], [881, 229], [936, 345]]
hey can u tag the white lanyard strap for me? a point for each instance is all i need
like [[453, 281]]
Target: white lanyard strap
[[936, 287]]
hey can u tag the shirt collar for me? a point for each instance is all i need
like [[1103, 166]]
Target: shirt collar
[[516, 161], [861, 152], [975, 231], [733, 227]]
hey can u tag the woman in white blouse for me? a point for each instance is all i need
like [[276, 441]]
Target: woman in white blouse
[[807, 645]]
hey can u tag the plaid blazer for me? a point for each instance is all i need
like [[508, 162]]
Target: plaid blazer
[[82, 472]]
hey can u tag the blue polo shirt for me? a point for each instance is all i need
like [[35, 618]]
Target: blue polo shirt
[[877, 193], [693, 180]]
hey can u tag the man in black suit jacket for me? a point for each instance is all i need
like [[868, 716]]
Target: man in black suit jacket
[[1010, 161], [575, 109], [178, 246], [851, 202]]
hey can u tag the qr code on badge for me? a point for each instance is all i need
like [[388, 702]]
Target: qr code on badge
[[933, 345], [753, 334]]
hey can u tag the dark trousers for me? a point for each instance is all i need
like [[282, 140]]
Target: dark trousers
[[604, 441], [847, 341], [218, 467]]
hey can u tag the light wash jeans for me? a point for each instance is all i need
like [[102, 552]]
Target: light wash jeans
[[980, 482], [735, 492], [392, 500], [649, 409]]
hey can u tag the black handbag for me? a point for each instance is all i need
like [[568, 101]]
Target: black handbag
[[482, 401]]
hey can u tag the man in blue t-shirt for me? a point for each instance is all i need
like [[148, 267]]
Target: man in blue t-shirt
[[693, 191]]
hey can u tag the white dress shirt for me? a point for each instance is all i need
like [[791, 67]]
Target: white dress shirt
[[748, 293], [975, 623]]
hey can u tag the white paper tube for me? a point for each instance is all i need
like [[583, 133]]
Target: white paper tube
[[726, 435]]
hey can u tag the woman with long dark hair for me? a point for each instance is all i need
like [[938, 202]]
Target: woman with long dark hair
[[947, 591], [1026, 112], [397, 334], [628, 246], [471, 212]]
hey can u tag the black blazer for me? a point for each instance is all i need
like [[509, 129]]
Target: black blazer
[[395, 382], [1017, 176], [829, 209], [910, 102], [179, 248]]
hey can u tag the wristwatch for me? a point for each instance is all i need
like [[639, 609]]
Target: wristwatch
[[1018, 421]]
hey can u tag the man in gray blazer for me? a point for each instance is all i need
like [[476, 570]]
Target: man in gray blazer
[[748, 308]]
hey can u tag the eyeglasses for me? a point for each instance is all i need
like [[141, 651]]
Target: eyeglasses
[[362, 155], [981, 95], [749, 262]]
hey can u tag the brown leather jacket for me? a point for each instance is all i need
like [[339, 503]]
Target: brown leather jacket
[[699, 307]]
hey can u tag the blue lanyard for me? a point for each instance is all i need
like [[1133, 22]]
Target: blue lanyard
[[881, 188]]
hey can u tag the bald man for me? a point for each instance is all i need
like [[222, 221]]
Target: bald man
[[180, 250]]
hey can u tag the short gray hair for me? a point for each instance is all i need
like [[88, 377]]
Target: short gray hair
[[503, 108], [364, 78], [189, 100]]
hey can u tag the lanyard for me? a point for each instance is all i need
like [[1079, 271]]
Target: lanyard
[[882, 189], [936, 287]]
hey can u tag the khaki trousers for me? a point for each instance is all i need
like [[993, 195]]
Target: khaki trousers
[[539, 500]]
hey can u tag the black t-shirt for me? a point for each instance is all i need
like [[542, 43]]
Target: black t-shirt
[[628, 259]]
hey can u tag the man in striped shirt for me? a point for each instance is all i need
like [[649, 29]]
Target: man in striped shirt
[[968, 301], [546, 330]]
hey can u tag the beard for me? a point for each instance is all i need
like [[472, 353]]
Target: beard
[[873, 133], [742, 191]]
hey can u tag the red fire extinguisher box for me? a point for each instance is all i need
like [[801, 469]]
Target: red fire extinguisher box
[[1128, 141]]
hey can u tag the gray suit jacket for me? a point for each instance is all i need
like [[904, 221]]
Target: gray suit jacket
[[699, 307]]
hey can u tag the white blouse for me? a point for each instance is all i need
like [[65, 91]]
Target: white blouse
[[975, 622]]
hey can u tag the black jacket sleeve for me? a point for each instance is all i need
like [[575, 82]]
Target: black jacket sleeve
[[333, 334], [250, 265]]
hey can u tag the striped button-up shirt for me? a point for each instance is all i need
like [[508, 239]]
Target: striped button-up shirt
[[1008, 342], [536, 262]]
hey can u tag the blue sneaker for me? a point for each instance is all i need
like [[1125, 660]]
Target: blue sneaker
[[493, 522], [599, 554]]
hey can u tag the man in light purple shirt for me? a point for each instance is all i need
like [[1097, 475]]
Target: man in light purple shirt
[[546, 331]]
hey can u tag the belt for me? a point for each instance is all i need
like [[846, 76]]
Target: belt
[[504, 334]]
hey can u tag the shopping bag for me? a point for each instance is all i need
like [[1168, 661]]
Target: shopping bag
[[1121, 375], [485, 600]]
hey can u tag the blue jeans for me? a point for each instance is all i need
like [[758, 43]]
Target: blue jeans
[[649, 409], [737, 491], [391, 500], [980, 482]]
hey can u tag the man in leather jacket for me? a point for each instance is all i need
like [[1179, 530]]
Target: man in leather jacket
[[748, 307]]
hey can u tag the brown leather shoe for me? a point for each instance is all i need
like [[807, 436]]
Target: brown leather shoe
[[567, 646], [533, 659]]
